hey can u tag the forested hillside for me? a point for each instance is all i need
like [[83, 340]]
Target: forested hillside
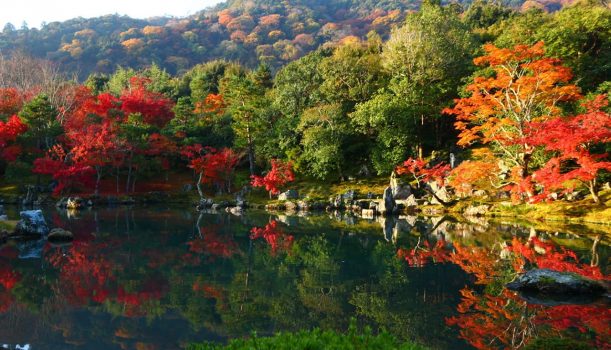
[[274, 32]]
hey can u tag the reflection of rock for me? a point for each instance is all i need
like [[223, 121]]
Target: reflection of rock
[[368, 213], [204, 203], [545, 282], [31, 249], [410, 201], [32, 223], [237, 211], [290, 194], [59, 234], [288, 220], [388, 225], [477, 210], [387, 205]]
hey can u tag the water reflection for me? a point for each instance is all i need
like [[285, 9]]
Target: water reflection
[[156, 279]]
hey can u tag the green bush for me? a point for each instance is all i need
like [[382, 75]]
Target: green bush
[[314, 340]]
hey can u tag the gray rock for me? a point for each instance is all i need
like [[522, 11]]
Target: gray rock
[[290, 194], [59, 234], [337, 201], [477, 210], [442, 194], [388, 205], [573, 196], [32, 223], [349, 196], [411, 201], [550, 282], [204, 203], [400, 190]]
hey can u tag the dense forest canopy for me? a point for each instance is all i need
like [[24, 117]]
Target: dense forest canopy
[[356, 98], [251, 32]]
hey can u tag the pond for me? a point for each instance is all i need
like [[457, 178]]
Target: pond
[[158, 278]]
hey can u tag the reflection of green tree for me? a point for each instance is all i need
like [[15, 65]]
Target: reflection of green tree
[[32, 291], [410, 303]]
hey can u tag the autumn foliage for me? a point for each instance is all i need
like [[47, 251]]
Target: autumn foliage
[[422, 170], [215, 167], [280, 174]]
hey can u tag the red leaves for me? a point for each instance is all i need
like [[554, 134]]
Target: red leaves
[[215, 166], [66, 171], [11, 101], [570, 138], [280, 174], [421, 170], [155, 108], [9, 131]]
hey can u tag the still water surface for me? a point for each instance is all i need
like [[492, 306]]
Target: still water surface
[[162, 278]]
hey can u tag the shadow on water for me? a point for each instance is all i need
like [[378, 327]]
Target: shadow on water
[[158, 278]]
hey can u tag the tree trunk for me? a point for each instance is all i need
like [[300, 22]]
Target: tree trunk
[[593, 191], [251, 151], [199, 186]]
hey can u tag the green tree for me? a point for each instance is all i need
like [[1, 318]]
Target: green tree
[[41, 118], [246, 102], [325, 130]]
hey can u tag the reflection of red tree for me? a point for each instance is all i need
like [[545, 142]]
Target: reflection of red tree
[[85, 274], [420, 256], [583, 318], [274, 236], [213, 243], [546, 255], [135, 301], [208, 290], [8, 280], [493, 320]]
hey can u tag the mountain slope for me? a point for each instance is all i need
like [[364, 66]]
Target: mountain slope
[[249, 31]]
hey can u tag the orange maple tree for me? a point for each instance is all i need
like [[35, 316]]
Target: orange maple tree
[[525, 86]]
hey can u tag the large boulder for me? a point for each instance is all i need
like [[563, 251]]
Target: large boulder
[[388, 205], [290, 194], [32, 223], [59, 234], [441, 196], [545, 282], [400, 190]]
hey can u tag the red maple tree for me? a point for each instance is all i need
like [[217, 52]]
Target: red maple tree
[[280, 174], [571, 139]]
